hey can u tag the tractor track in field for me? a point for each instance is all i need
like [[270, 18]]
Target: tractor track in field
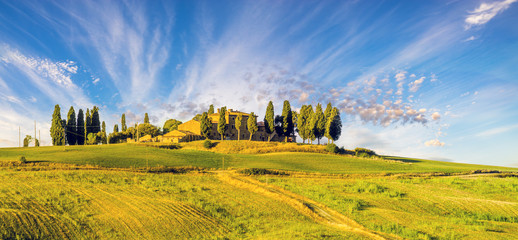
[[312, 209]]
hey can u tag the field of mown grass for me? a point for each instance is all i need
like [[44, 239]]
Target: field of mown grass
[[128, 155], [106, 192], [419, 207]]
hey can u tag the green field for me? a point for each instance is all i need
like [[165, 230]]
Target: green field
[[106, 192]]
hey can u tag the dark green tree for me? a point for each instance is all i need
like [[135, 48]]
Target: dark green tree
[[302, 121], [147, 129], [56, 129], [287, 120], [319, 122], [170, 125], [252, 125], [71, 129], [116, 128], [205, 125], [197, 117], [211, 109], [269, 120], [123, 123], [334, 125], [146, 118], [222, 122], [238, 122], [88, 124], [27, 140], [104, 138], [311, 124], [96, 122], [80, 131]]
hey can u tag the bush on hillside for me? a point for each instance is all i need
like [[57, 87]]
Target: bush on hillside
[[332, 148], [262, 171], [207, 144], [364, 152], [22, 159]]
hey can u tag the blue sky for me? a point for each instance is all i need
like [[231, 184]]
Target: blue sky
[[430, 79]]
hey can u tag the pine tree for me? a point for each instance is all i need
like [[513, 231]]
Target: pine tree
[[222, 122], [146, 118], [116, 128], [71, 129], [80, 130], [237, 123], [319, 123], [252, 125], [56, 129], [123, 123], [287, 120], [334, 124], [88, 124], [269, 118], [104, 138], [211, 109], [205, 125]]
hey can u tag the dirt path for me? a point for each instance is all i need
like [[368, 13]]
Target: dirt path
[[305, 206]]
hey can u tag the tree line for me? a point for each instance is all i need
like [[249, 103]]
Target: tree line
[[77, 131]]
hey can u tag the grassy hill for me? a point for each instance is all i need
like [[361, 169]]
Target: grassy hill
[[107, 195]]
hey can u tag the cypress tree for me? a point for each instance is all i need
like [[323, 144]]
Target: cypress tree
[[311, 124], [80, 130], [71, 129], [146, 118], [104, 138], [302, 122], [252, 125], [56, 129], [211, 109], [269, 118], [88, 124], [237, 123], [334, 125], [123, 123], [319, 123], [205, 125], [96, 122], [287, 120], [222, 122], [116, 128], [327, 116]]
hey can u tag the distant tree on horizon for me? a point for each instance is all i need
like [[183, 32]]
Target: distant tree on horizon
[[170, 125], [211, 109], [287, 120], [237, 123], [269, 120], [252, 125], [334, 125], [116, 128], [96, 122], [205, 125], [80, 130], [146, 118], [222, 122], [88, 124], [56, 130], [123, 123], [71, 128], [27, 140], [319, 123], [311, 124], [104, 138], [303, 121]]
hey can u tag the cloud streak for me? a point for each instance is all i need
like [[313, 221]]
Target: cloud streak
[[485, 12]]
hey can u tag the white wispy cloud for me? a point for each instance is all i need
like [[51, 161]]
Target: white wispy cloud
[[485, 12], [415, 85], [497, 130], [434, 143]]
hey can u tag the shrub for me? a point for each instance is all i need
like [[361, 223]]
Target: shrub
[[332, 148], [262, 171], [22, 159], [207, 144], [364, 152]]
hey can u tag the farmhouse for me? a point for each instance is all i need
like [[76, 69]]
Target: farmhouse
[[191, 130]]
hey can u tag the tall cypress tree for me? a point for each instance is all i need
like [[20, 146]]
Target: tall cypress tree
[[56, 129], [123, 123], [327, 112], [80, 130], [205, 125], [104, 138], [71, 129], [252, 125], [320, 123], [116, 128], [302, 122], [211, 109], [269, 118], [222, 122], [237, 123], [311, 125], [334, 125], [287, 120], [88, 123], [96, 122], [146, 118]]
